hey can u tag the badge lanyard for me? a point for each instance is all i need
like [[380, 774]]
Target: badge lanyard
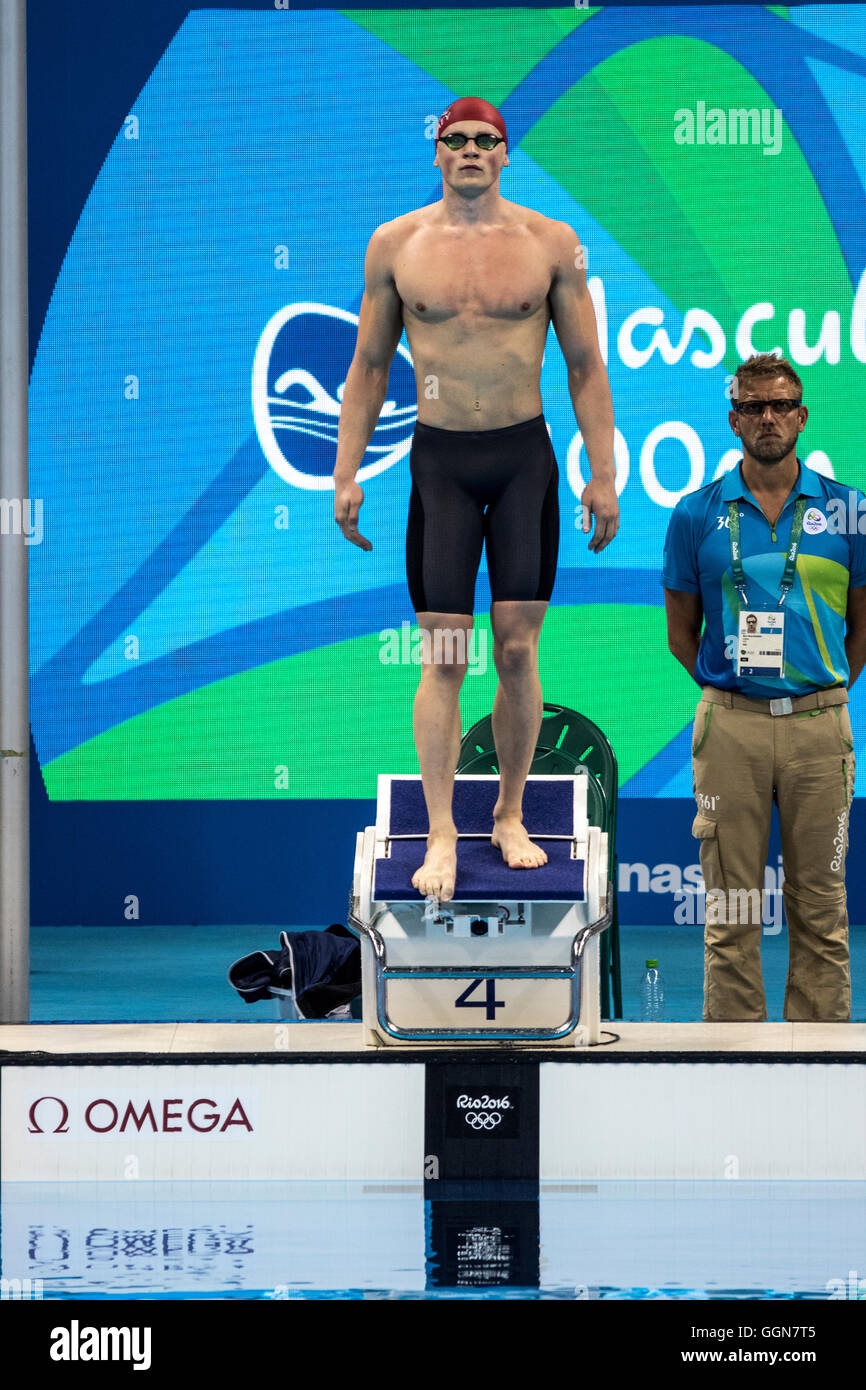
[[737, 571]]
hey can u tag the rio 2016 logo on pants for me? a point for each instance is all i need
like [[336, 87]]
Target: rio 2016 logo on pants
[[839, 843]]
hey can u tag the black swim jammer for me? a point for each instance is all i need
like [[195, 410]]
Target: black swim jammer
[[470, 486]]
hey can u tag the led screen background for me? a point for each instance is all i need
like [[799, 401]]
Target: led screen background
[[199, 628]]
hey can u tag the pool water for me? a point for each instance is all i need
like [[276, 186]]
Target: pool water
[[314, 1240]]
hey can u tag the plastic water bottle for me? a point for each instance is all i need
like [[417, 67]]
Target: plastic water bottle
[[652, 996]]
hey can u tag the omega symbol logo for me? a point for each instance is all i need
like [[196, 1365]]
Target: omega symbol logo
[[61, 1128]]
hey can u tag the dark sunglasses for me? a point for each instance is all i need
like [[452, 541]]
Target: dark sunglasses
[[756, 408], [483, 141]]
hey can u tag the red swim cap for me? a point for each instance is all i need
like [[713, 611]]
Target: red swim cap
[[472, 109]]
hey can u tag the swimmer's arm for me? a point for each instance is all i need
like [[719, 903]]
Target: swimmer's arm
[[685, 615], [574, 323], [573, 319], [380, 324]]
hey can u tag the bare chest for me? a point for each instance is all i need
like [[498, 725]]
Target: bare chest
[[498, 275]]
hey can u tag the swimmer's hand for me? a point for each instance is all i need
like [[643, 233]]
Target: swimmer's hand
[[347, 504], [599, 501]]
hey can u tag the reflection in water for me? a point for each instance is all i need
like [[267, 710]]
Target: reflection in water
[[483, 1244], [671, 1240]]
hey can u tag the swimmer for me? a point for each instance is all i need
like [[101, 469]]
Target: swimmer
[[476, 281]]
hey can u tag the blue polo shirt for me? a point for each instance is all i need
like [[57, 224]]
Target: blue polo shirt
[[831, 559]]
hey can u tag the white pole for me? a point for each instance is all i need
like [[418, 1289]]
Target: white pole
[[14, 513]]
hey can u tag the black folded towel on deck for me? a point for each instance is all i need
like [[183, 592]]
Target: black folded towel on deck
[[321, 968]]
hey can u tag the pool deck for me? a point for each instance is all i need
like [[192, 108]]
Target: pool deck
[[278, 1041]]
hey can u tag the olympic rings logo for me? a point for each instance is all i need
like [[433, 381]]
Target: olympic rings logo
[[480, 1120]]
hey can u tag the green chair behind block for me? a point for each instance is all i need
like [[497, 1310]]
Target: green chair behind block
[[568, 740]]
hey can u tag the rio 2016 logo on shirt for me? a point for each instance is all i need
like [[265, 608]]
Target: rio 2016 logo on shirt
[[814, 522]]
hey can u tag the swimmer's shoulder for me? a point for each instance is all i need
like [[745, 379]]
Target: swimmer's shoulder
[[530, 218], [548, 229], [399, 229], [557, 242], [391, 238]]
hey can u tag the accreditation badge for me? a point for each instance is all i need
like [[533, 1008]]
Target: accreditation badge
[[760, 644]]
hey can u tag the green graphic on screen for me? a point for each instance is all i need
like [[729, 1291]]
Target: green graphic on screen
[[199, 627]]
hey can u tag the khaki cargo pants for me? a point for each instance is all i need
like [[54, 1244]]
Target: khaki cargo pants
[[743, 759]]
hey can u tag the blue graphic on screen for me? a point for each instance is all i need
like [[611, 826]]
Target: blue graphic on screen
[[186, 391]]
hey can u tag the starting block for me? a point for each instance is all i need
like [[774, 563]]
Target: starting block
[[514, 956]]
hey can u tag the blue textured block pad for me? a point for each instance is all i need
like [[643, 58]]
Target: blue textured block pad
[[481, 873], [548, 807]]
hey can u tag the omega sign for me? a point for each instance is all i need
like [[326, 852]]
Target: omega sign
[[50, 1115]]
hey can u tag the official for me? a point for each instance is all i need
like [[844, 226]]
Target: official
[[776, 541]]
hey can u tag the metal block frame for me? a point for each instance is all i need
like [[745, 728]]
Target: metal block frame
[[396, 947]]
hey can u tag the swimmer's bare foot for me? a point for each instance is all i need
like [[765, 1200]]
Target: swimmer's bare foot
[[437, 875], [518, 851]]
